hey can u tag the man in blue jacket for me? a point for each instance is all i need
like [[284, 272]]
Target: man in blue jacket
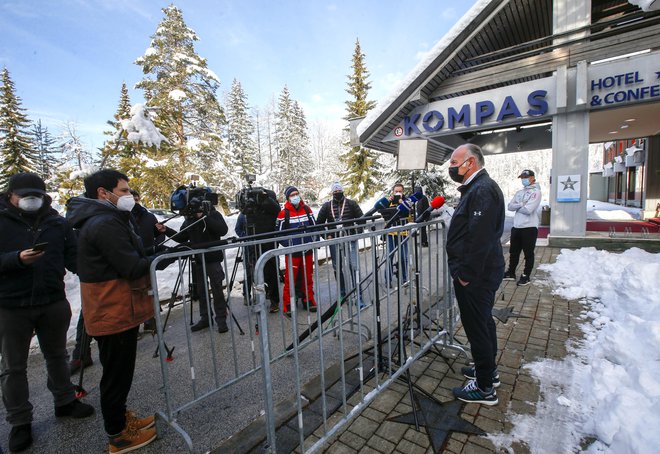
[[476, 264], [32, 300]]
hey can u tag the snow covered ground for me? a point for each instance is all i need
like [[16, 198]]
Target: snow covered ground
[[605, 395]]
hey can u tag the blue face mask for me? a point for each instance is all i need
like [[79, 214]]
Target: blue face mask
[[295, 200], [525, 182]]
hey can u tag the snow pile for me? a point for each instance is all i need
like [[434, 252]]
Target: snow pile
[[646, 5], [611, 212], [605, 396], [141, 129]]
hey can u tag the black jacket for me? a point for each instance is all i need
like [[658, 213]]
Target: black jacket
[[108, 247], [145, 222], [421, 207], [43, 281], [332, 211], [211, 229], [264, 217], [474, 247]]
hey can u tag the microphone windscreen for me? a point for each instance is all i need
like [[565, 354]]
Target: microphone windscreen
[[382, 203], [437, 202]]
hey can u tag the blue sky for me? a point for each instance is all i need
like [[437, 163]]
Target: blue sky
[[68, 58]]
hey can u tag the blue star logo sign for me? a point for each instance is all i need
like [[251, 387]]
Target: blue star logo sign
[[568, 184]]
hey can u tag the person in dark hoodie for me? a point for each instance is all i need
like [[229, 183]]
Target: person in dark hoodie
[[144, 223], [201, 227], [476, 264], [36, 246], [114, 285]]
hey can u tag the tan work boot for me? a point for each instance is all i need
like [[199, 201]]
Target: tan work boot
[[131, 439], [139, 423]]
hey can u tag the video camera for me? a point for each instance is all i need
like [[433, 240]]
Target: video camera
[[250, 199], [188, 200]]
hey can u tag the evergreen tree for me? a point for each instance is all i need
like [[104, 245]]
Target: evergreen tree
[[46, 150], [181, 92], [291, 143], [240, 130], [118, 152], [16, 147], [364, 171]]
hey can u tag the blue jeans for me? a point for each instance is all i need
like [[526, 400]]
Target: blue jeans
[[400, 257]]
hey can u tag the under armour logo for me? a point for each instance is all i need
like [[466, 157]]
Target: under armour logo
[[477, 213]]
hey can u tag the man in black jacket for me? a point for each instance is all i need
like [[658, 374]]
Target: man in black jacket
[[476, 264], [338, 209], [144, 223], [258, 217], [420, 208], [203, 227], [115, 290], [32, 299]]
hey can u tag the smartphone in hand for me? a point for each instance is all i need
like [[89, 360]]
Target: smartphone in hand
[[40, 246]]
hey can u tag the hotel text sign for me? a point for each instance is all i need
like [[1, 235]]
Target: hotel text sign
[[630, 80]]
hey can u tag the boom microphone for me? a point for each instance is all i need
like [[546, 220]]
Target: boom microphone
[[436, 203], [382, 203], [404, 208]]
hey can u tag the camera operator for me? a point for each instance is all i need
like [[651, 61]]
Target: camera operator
[[259, 210], [212, 228]]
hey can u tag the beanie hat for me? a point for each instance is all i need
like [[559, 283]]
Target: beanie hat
[[526, 174], [289, 190], [336, 187], [26, 183]]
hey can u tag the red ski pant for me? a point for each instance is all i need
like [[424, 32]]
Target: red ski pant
[[303, 272]]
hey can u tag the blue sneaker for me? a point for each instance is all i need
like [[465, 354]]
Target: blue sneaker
[[471, 393], [470, 373]]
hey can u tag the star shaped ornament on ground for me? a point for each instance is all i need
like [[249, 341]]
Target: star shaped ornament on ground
[[439, 418]]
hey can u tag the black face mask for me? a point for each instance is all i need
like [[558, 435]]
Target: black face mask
[[338, 196], [454, 175]]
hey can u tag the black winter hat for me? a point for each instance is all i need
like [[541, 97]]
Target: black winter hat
[[289, 190], [526, 174], [26, 183]]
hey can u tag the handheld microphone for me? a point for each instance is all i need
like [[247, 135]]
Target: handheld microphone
[[404, 208], [436, 203], [382, 203]]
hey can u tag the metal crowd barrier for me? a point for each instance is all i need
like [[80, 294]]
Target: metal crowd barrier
[[371, 325]]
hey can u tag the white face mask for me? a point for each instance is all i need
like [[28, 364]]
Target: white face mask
[[30, 204], [125, 203], [295, 200]]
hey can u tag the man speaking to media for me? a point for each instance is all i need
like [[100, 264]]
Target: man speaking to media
[[476, 264]]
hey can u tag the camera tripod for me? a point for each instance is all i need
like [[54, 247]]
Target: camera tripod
[[187, 264]]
